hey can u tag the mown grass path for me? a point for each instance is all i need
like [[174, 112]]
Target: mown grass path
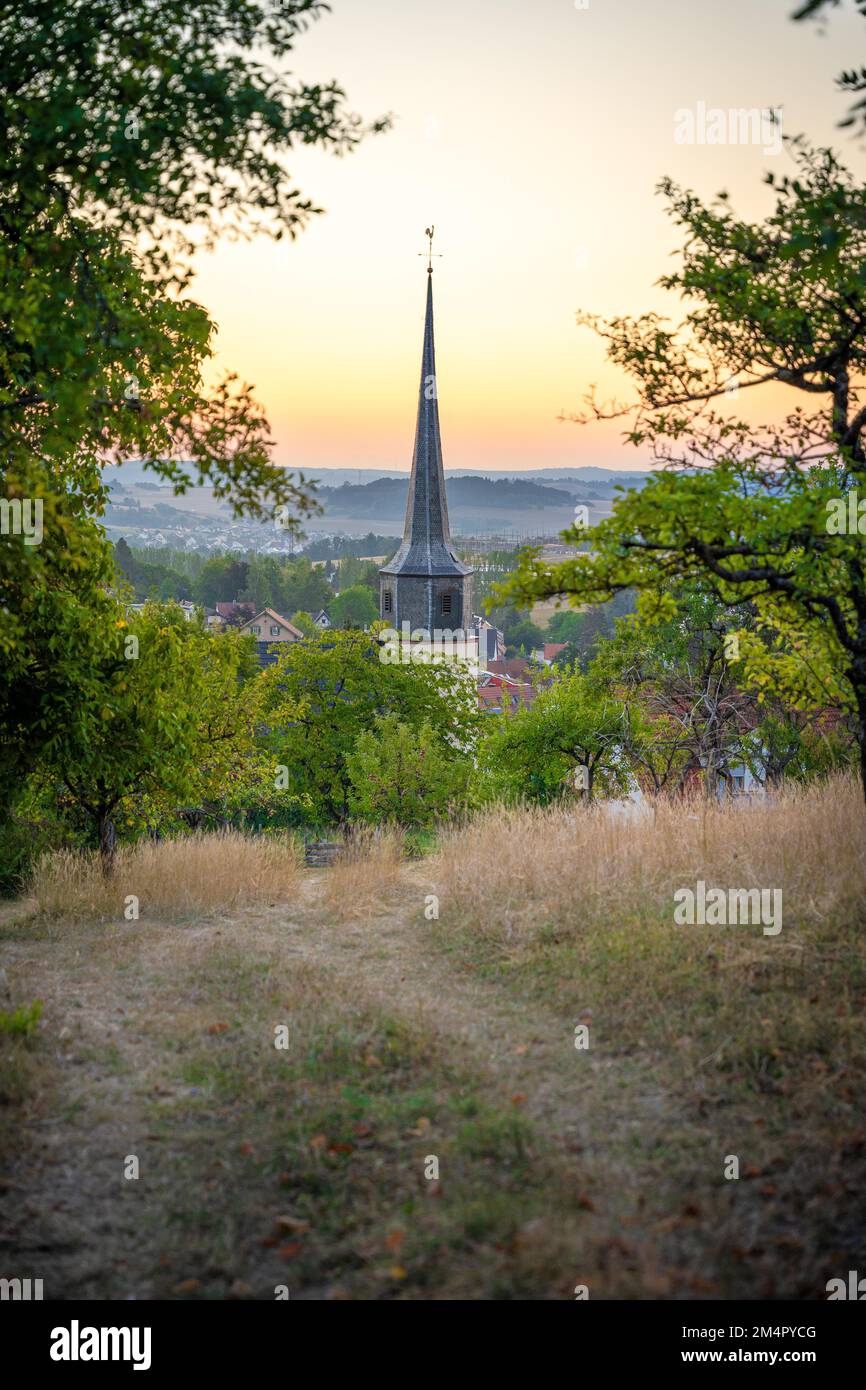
[[306, 1168]]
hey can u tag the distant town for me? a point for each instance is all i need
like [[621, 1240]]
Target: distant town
[[510, 509]]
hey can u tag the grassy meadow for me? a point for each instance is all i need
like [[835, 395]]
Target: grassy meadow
[[364, 1081]]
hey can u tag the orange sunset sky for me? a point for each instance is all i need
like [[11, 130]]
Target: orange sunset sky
[[533, 135]]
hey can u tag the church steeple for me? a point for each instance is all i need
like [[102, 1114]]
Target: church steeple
[[425, 583]]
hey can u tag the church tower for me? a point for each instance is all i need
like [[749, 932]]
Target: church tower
[[425, 584]]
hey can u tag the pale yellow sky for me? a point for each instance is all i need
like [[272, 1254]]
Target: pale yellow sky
[[532, 135]]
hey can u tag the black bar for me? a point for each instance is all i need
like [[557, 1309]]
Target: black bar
[[234, 1337]]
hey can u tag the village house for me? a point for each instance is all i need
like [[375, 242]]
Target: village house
[[188, 609], [236, 613], [268, 627], [547, 654], [498, 694]]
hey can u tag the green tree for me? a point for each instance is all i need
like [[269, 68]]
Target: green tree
[[325, 691], [798, 745], [163, 700], [570, 654], [354, 607], [567, 743], [263, 583], [222, 579], [353, 571], [304, 623], [304, 586], [586, 631], [127, 137], [58, 628], [751, 513], [523, 636], [405, 775], [125, 560], [565, 625], [686, 709]]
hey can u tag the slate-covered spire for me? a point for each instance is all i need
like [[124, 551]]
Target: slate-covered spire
[[427, 548]]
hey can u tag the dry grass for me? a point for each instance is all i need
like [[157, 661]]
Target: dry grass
[[515, 874], [200, 873], [583, 915], [605, 1166], [760, 1037], [365, 872], [541, 613], [261, 1167]]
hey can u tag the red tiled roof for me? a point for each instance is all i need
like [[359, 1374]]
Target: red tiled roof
[[273, 616], [496, 689], [516, 667], [236, 610]]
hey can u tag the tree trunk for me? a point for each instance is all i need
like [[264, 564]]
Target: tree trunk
[[861, 737], [710, 776], [107, 841]]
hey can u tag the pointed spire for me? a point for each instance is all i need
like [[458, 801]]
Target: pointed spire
[[427, 548]]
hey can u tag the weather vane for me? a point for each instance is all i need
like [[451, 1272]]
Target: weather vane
[[430, 253]]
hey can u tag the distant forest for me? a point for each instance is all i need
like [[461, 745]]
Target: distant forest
[[387, 496]]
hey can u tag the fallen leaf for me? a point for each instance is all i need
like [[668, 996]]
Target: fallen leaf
[[187, 1286], [585, 1202], [290, 1251], [397, 1272], [218, 1028], [395, 1240], [293, 1225], [518, 1099], [246, 1148]]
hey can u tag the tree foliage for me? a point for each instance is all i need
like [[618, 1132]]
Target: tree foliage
[[170, 720], [568, 743], [128, 137], [325, 691], [852, 80], [354, 607], [405, 775], [745, 511]]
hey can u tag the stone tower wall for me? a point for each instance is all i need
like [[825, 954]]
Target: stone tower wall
[[410, 601]]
